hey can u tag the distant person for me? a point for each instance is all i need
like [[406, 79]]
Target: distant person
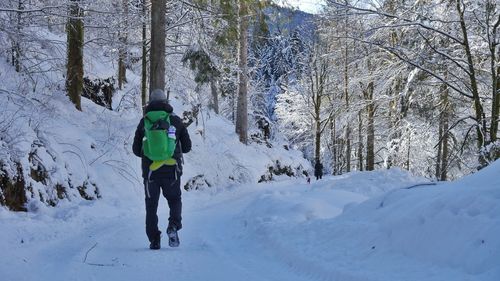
[[160, 140], [318, 170]]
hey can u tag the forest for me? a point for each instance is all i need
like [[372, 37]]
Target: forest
[[361, 85], [249, 140]]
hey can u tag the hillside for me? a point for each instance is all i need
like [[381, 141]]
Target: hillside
[[51, 154]]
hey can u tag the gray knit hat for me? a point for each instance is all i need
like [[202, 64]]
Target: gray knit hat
[[157, 95]]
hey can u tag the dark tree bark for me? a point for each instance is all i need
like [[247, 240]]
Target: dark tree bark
[[445, 146], [158, 34], [16, 44], [144, 59], [348, 128], [123, 50], [478, 107], [346, 95], [360, 140], [408, 151], [74, 30], [439, 149], [370, 128], [493, 43], [443, 150], [215, 97], [334, 147]]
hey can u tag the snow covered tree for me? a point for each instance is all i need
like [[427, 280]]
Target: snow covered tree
[[445, 45], [206, 72]]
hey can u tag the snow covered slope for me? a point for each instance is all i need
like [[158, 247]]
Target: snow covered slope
[[51, 154], [361, 226], [449, 231]]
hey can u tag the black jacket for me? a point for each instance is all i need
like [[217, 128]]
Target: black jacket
[[183, 144], [318, 169]]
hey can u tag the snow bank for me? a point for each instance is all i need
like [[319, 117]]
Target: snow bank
[[448, 231], [219, 159]]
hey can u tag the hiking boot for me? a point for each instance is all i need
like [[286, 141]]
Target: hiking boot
[[156, 242], [173, 238]]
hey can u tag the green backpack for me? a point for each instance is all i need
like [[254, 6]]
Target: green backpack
[[159, 139]]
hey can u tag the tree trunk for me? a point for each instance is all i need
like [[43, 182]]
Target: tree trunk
[[123, 50], [478, 108], [495, 113], [445, 116], [215, 97], [495, 78], [370, 128], [346, 94], [16, 49], [439, 148], [144, 71], [74, 77], [395, 119], [495, 107], [334, 147], [317, 131], [317, 84], [242, 106], [158, 34], [360, 140], [408, 152], [317, 140]]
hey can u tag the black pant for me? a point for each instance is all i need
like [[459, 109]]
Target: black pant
[[172, 192]]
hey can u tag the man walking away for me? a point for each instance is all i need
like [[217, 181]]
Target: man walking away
[[318, 170], [160, 140]]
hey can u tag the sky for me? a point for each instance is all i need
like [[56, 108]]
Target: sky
[[309, 6]]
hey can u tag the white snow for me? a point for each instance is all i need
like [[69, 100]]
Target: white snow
[[360, 226]]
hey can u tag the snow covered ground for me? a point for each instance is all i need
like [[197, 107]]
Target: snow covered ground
[[360, 226]]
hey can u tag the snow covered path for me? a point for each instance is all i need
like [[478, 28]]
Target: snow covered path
[[279, 231], [217, 243], [214, 246]]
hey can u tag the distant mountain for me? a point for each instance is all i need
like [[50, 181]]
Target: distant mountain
[[282, 20]]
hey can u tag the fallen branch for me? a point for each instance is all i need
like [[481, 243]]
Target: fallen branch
[[88, 251]]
